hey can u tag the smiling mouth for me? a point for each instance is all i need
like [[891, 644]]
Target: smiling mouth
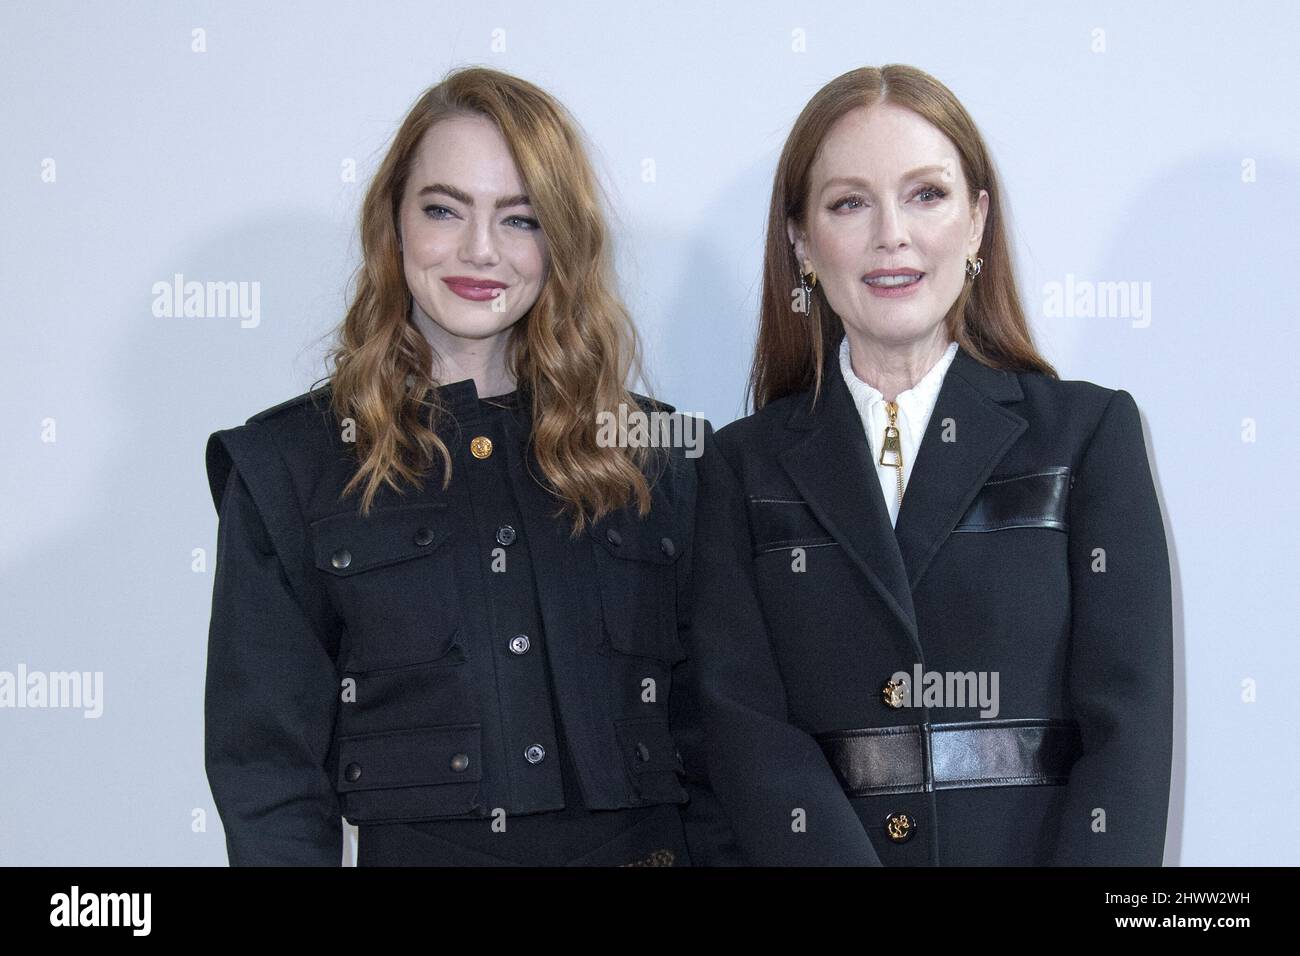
[[895, 282], [475, 291]]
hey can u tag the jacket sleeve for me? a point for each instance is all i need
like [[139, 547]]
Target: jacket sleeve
[[762, 767], [1120, 670], [271, 690], [709, 837]]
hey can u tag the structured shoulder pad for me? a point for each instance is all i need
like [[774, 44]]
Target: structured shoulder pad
[[319, 396], [651, 404], [251, 450]]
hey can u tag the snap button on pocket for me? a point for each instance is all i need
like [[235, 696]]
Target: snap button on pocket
[[352, 773], [341, 559], [459, 762], [650, 756], [667, 547], [613, 537], [424, 537]]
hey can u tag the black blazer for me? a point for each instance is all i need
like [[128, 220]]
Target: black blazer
[[351, 671], [808, 602]]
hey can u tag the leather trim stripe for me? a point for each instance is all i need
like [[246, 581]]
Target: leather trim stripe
[[1010, 752]]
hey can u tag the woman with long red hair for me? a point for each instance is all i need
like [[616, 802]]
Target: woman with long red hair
[[445, 609], [933, 612]]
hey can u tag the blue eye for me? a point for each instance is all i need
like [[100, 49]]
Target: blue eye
[[938, 193], [846, 199], [528, 224], [429, 210]]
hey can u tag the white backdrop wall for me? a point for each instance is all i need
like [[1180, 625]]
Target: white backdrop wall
[[1156, 144]]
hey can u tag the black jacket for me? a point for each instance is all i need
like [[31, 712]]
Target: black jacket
[[366, 667], [808, 602]]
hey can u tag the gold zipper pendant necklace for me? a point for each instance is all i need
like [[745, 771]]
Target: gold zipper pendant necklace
[[892, 446]]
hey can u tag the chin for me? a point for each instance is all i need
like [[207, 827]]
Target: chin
[[474, 328], [901, 333]]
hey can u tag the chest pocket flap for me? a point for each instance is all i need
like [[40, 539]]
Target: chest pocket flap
[[780, 523], [392, 579], [636, 566]]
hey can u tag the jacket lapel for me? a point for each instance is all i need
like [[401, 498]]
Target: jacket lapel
[[948, 474], [832, 468]]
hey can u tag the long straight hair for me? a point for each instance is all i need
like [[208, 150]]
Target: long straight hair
[[986, 319], [571, 354]]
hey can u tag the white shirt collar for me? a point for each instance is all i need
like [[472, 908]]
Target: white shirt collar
[[917, 402], [915, 407]]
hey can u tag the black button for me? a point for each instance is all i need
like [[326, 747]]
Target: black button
[[459, 762], [667, 547], [341, 559], [506, 535], [423, 536], [613, 537], [642, 752], [352, 772]]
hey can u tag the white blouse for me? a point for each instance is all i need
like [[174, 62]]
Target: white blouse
[[914, 408]]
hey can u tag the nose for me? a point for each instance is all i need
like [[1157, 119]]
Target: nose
[[890, 233], [478, 244]]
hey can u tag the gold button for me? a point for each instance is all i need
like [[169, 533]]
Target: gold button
[[900, 827], [481, 446], [893, 693]]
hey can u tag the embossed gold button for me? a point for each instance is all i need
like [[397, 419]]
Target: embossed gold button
[[900, 827], [893, 693], [481, 446]]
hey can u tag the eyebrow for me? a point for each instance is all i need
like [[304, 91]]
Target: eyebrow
[[461, 196], [859, 181]]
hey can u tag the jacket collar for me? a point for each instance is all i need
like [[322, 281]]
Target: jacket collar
[[830, 462]]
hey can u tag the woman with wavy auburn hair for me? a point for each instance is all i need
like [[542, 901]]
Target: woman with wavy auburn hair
[[933, 618], [477, 669]]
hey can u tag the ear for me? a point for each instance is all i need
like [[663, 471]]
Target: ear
[[979, 212], [797, 240]]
